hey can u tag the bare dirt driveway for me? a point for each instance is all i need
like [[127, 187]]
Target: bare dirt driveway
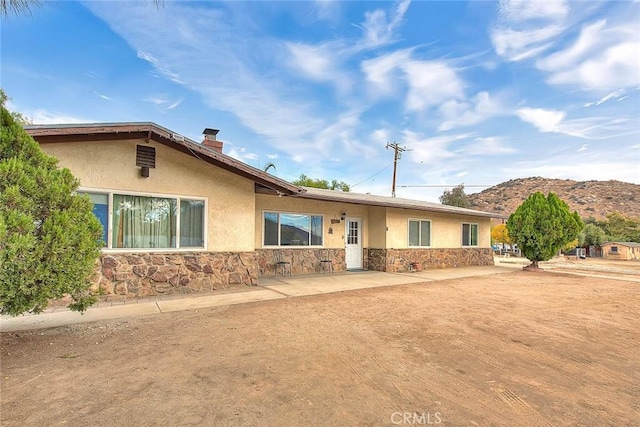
[[512, 349]]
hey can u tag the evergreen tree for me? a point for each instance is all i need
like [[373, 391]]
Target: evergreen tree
[[49, 237], [543, 225]]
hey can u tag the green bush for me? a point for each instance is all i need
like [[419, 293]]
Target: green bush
[[49, 237]]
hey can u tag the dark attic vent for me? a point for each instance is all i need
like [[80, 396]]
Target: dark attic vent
[[145, 156]]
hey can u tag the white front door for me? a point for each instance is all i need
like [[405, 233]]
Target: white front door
[[353, 243]]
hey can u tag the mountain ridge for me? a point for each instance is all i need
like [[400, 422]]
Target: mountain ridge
[[593, 198]]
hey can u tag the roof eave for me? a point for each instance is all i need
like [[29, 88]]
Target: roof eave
[[400, 205]]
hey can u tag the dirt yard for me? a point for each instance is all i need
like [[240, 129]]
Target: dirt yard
[[512, 349]]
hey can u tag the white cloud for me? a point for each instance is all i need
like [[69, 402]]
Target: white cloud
[[381, 136], [524, 10], [431, 151], [328, 10], [618, 94], [244, 155], [596, 128], [518, 45], [583, 46], [237, 67], [604, 56], [156, 99], [43, 117], [181, 44], [431, 83], [379, 26], [157, 64], [174, 104], [321, 63], [341, 136], [162, 101], [489, 146], [458, 113], [544, 120], [526, 28], [547, 121], [105, 97], [315, 61], [616, 66], [383, 72]]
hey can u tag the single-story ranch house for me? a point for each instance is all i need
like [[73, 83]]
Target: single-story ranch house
[[181, 216]]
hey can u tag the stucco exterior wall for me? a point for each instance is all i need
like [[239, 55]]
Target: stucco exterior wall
[[377, 227], [384, 228], [624, 252], [330, 210], [111, 165], [446, 230]]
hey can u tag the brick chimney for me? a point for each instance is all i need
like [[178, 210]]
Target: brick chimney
[[210, 139]]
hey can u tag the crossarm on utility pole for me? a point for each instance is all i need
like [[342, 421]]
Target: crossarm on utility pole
[[397, 150]]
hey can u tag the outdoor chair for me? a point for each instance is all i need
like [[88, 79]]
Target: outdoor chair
[[279, 262], [326, 263]]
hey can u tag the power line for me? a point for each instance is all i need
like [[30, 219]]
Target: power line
[[375, 174]]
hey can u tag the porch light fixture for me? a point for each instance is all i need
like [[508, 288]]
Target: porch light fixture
[[343, 216]]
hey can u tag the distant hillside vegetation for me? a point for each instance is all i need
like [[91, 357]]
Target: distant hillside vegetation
[[589, 198]]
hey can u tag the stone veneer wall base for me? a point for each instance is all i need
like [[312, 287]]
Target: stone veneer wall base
[[303, 261], [401, 260], [132, 275]]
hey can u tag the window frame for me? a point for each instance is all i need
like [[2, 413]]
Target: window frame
[[420, 221], [471, 226], [110, 193], [279, 237]]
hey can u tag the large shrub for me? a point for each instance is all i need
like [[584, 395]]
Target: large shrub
[[543, 225], [49, 237]]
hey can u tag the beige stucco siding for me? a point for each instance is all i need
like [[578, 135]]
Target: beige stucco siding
[[446, 229], [377, 228], [384, 228], [623, 251], [330, 210], [111, 166]]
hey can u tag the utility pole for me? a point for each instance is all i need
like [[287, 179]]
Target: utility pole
[[397, 155]]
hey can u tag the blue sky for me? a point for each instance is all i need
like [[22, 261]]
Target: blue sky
[[478, 92]]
